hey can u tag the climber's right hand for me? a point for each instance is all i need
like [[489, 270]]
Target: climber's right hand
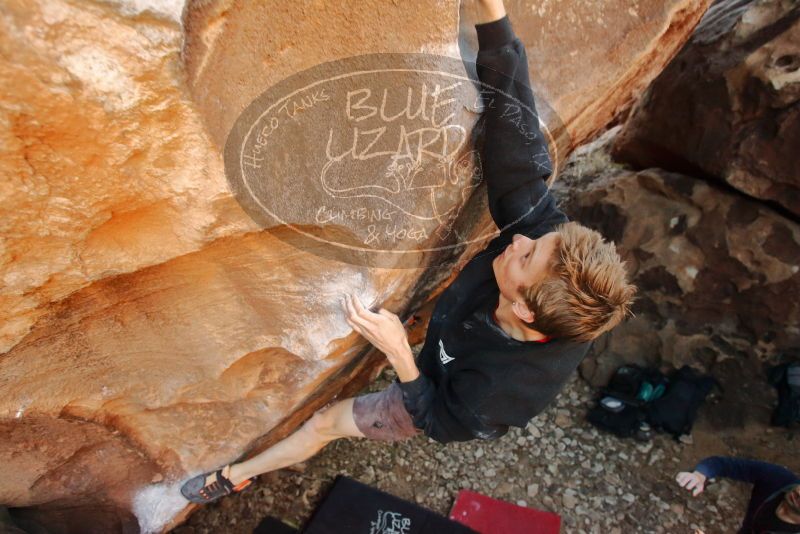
[[694, 482], [491, 10]]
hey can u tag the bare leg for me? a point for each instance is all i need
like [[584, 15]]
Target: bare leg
[[324, 426]]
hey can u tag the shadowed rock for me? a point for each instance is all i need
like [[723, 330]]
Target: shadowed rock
[[728, 106], [717, 272]]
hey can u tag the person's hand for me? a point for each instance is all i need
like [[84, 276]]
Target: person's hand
[[490, 10], [694, 482], [385, 331]]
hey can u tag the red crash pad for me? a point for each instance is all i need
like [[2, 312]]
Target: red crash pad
[[490, 516]]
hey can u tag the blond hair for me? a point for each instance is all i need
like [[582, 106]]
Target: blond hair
[[587, 292]]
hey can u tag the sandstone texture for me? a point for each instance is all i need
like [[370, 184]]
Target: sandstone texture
[[718, 273], [728, 106], [149, 328], [567, 42]]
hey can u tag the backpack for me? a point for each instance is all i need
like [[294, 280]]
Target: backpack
[[625, 383], [786, 379], [634, 387], [624, 423], [676, 411]]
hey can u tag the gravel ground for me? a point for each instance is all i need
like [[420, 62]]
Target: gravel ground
[[596, 482]]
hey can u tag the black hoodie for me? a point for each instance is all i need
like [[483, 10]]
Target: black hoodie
[[476, 381]]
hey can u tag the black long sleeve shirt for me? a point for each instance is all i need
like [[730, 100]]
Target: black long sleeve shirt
[[770, 484], [475, 381]]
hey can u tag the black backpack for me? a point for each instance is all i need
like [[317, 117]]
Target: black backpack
[[625, 383], [635, 387], [786, 379], [624, 423], [676, 411]]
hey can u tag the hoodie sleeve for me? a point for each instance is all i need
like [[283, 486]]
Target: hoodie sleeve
[[443, 412], [751, 471], [514, 151]]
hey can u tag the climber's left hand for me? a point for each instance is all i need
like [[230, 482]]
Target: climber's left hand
[[385, 331]]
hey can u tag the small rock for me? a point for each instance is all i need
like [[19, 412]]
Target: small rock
[[504, 488], [533, 490], [563, 419], [696, 505], [298, 467], [369, 475], [655, 456]]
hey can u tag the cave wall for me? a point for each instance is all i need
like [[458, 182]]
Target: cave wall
[[717, 271], [728, 107], [698, 188]]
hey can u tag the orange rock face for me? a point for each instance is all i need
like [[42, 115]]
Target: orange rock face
[[149, 328]]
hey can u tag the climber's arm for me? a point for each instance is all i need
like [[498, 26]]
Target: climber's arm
[[514, 153]]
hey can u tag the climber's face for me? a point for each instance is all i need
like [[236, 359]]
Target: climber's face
[[524, 263]]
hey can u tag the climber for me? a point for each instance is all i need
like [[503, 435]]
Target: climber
[[774, 501], [507, 334]]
